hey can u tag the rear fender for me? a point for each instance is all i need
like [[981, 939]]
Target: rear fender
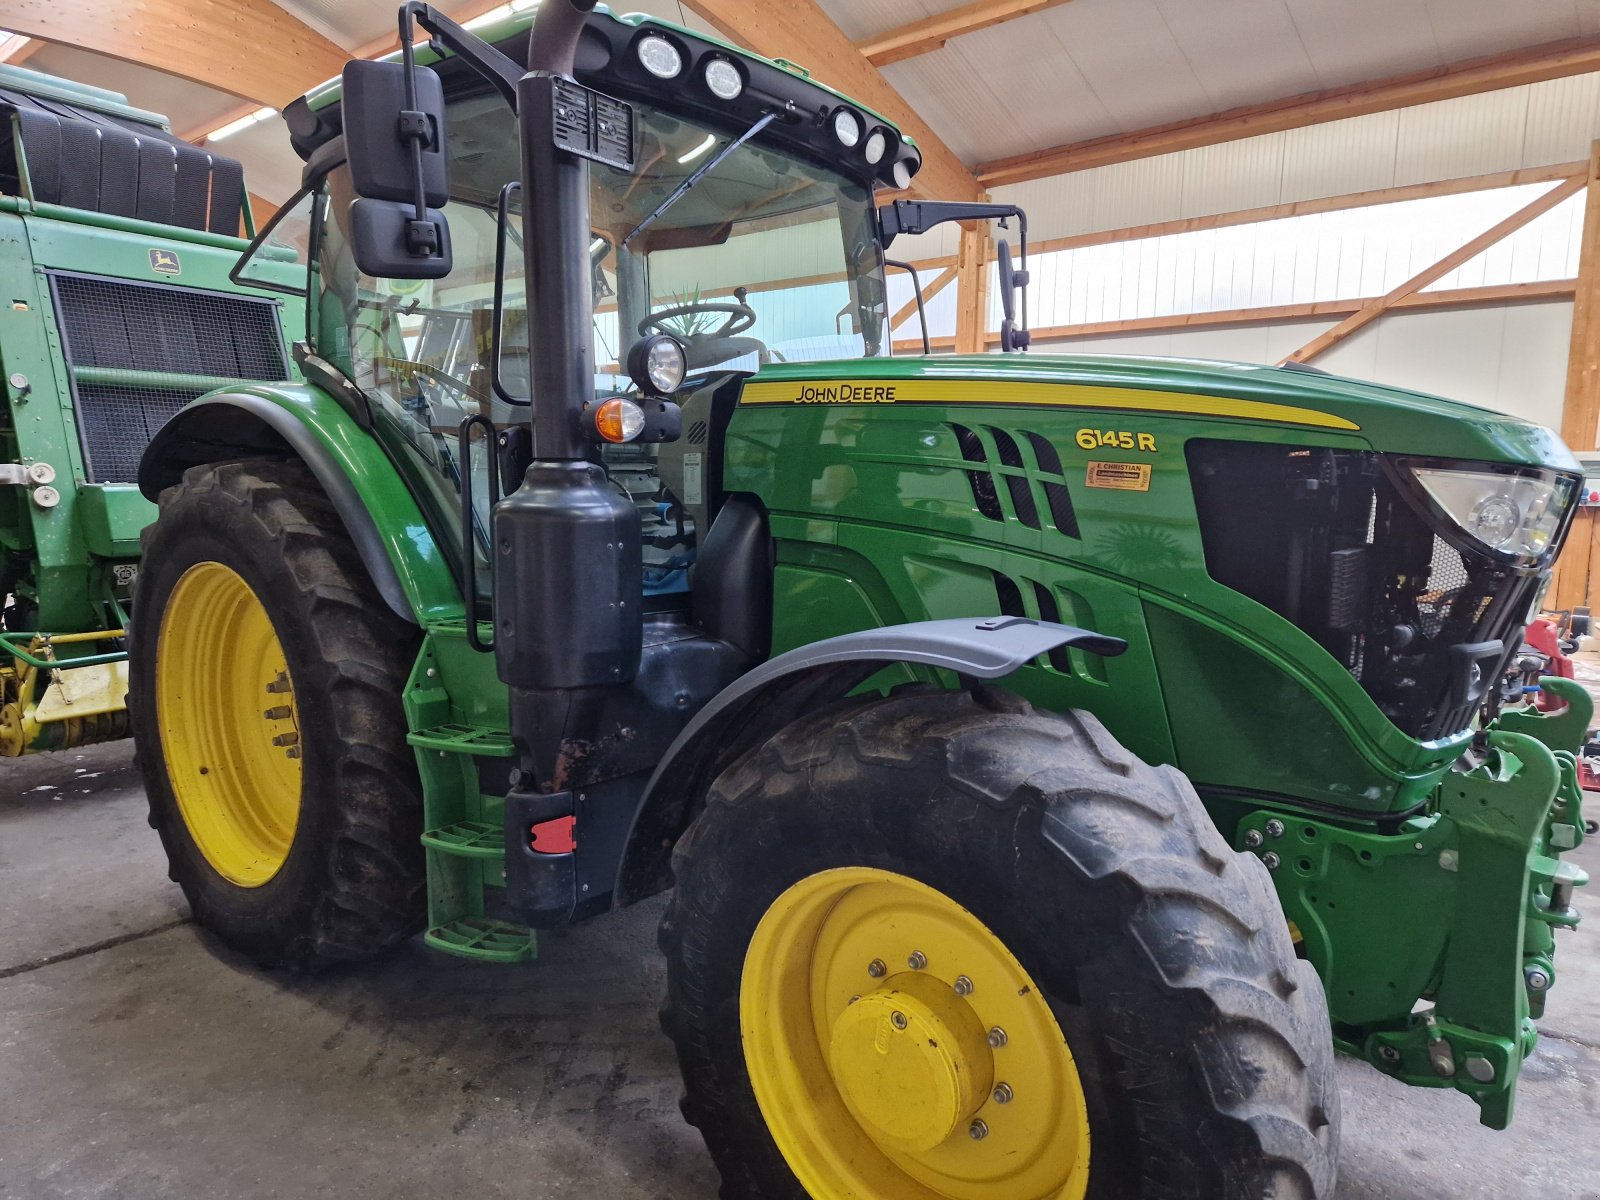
[[753, 709], [385, 523]]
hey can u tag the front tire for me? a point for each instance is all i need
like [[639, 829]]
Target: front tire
[[945, 947], [265, 692]]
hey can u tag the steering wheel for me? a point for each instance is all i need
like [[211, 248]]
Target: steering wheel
[[740, 317]]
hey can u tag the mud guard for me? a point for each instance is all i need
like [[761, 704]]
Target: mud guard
[[402, 558], [766, 699]]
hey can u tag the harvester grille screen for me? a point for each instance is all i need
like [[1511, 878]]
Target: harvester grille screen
[[174, 344], [117, 423]]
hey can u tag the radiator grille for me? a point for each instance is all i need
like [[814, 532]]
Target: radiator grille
[[179, 333], [117, 423]]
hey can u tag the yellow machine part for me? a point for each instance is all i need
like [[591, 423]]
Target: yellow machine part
[[77, 706]]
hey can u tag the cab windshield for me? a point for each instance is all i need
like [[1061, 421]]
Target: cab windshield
[[765, 259]]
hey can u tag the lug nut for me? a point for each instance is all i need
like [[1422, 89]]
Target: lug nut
[[997, 1038], [1389, 1054], [1253, 838], [876, 969], [963, 986], [293, 751], [898, 1020], [280, 684], [1003, 1093], [281, 713], [1274, 828], [917, 961], [977, 1131], [1271, 859], [286, 739]]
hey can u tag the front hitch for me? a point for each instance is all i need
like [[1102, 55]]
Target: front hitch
[[1457, 908]]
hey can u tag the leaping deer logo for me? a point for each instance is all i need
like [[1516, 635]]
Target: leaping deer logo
[[165, 262]]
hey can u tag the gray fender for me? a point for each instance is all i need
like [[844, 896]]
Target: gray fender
[[762, 702], [231, 425]]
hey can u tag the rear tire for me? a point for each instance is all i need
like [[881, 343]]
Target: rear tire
[[1201, 1045], [335, 872]]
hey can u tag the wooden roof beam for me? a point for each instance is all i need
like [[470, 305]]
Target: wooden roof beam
[[800, 31], [931, 33], [1536, 64], [248, 48]]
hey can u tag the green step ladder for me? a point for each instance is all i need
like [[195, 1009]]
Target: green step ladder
[[465, 838]]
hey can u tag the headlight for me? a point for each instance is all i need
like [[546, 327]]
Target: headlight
[[724, 80], [846, 127], [877, 146], [660, 57], [1515, 515], [657, 364]]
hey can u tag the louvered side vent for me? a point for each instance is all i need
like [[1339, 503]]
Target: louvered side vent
[[138, 352], [1018, 485], [1049, 610], [1055, 490], [1009, 595], [984, 496]]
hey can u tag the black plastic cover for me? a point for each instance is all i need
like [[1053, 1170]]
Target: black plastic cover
[[568, 577], [380, 158], [733, 578]]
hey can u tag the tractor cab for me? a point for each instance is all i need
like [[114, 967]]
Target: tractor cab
[[725, 240]]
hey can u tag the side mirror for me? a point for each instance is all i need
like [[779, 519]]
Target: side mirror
[[1012, 337], [389, 138], [394, 135]]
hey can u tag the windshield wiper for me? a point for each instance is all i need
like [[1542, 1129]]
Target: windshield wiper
[[711, 164]]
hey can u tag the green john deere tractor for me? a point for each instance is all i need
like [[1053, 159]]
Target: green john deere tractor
[[116, 240], [1055, 760]]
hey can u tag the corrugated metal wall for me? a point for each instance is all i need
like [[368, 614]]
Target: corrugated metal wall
[[1530, 126]]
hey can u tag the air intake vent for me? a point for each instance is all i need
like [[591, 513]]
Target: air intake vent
[[1055, 490], [1019, 487], [138, 352], [983, 493], [1009, 595]]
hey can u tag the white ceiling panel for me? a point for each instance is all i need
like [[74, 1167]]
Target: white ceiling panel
[[1213, 36], [1470, 28], [1128, 56], [1355, 40]]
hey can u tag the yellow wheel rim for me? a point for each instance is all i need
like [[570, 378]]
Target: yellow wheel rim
[[229, 728], [898, 1049]]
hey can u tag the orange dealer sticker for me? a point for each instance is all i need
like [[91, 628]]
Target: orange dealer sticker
[[1123, 477]]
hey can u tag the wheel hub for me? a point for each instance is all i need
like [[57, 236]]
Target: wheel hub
[[949, 1079], [912, 1061]]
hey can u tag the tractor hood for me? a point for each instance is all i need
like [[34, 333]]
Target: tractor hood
[[1388, 419]]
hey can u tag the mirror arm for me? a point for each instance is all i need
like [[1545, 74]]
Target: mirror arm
[[501, 71]]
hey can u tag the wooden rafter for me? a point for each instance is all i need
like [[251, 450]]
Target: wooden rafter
[[800, 31], [19, 53], [376, 48], [1374, 309], [972, 301], [1477, 297], [248, 48], [1580, 418], [931, 33], [1551, 61]]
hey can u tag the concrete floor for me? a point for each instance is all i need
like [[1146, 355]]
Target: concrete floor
[[139, 1061]]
